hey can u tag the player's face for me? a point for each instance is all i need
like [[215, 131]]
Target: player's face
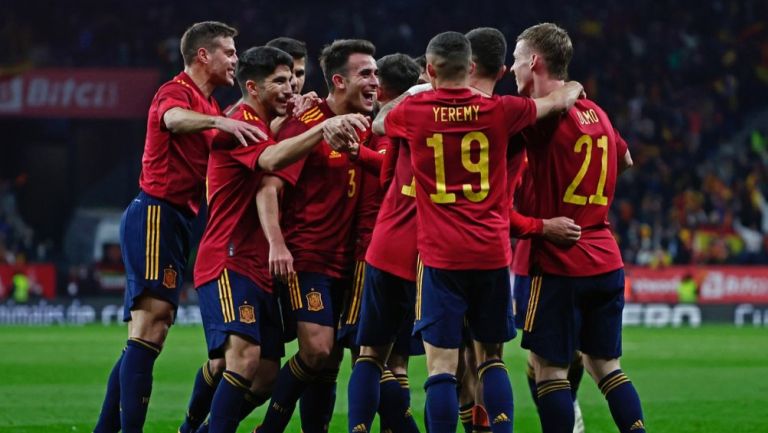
[[276, 90], [222, 61], [522, 68], [361, 82], [299, 74]]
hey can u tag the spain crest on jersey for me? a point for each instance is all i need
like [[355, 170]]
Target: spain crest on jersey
[[314, 301], [169, 277], [247, 314]]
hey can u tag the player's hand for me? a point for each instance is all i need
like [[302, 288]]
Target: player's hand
[[572, 90], [561, 231], [302, 103], [243, 131], [280, 262], [340, 132]]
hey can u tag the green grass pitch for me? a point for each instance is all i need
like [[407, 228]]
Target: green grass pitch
[[711, 379]]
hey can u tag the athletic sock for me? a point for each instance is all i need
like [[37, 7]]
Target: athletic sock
[[136, 383], [465, 416], [291, 382], [575, 373], [363, 394], [318, 402], [555, 406], [200, 401], [442, 403], [497, 395], [227, 403], [623, 401], [109, 418]]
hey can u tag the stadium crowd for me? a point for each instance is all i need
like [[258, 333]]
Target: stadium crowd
[[680, 93]]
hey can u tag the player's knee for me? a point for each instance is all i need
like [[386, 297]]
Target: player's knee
[[316, 354], [377, 353], [600, 367], [245, 362], [216, 366]]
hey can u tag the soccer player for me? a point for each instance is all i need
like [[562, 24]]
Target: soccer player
[[209, 374], [576, 295], [240, 315], [383, 310], [155, 228], [317, 223], [458, 142]]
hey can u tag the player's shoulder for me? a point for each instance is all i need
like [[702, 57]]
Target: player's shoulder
[[244, 113], [586, 112], [314, 115]]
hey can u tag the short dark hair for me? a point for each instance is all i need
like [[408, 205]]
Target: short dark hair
[[202, 35], [258, 63], [421, 61], [453, 53], [334, 57], [397, 73], [554, 44], [489, 50], [296, 48]]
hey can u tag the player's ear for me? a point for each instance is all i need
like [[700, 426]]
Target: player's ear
[[338, 81], [502, 71], [472, 67], [431, 71], [252, 88], [203, 56], [535, 60]]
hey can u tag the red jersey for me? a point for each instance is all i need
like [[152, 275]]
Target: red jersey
[[458, 143], [371, 195], [173, 166], [573, 162], [525, 203], [319, 211], [233, 236], [393, 244]]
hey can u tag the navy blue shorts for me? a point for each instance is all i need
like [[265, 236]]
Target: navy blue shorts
[[353, 299], [446, 297], [311, 297], [154, 239], [521, 291], [387, 310], [234, 304], [566, 314]]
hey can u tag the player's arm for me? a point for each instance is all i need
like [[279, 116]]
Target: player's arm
[[182, 121], [625, 162], [558, 230], [560, 100], [280, 259], [338, 131], [378, 122]]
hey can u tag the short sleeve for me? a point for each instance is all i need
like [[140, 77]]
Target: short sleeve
[[395, 123], [621, 145], [291, 173], [171, 96], [519, 113]]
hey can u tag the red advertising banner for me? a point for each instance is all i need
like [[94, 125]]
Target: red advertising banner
[[79, 93], [40, 277], [715, 284]]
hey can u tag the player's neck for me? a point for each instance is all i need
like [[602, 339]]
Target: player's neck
[[544, 86], [261, 111], [201, 79], [483, 85], [451, 84], [337, 104]]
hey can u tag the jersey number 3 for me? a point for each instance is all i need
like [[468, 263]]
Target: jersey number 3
[[442, 196], [597, 198]]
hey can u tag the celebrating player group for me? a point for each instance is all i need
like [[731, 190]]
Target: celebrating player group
[[377, 219]]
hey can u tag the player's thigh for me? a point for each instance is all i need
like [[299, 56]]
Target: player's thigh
[[387, 308], [315, 298], [601, 303], [441, 305], [521, 292], [551, 326]]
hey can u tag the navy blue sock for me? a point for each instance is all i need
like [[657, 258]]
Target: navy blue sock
[[203, 427], [465, 416], [623, 402], [291, 383], [227, 402], [109, 418], [575, 373], [406, 422], [442, 403], [318, 401], [497, 395], [136, 383], [251, 402], [363, 394], [555, 406], [202, 396], [394, 404], [530, 375]]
